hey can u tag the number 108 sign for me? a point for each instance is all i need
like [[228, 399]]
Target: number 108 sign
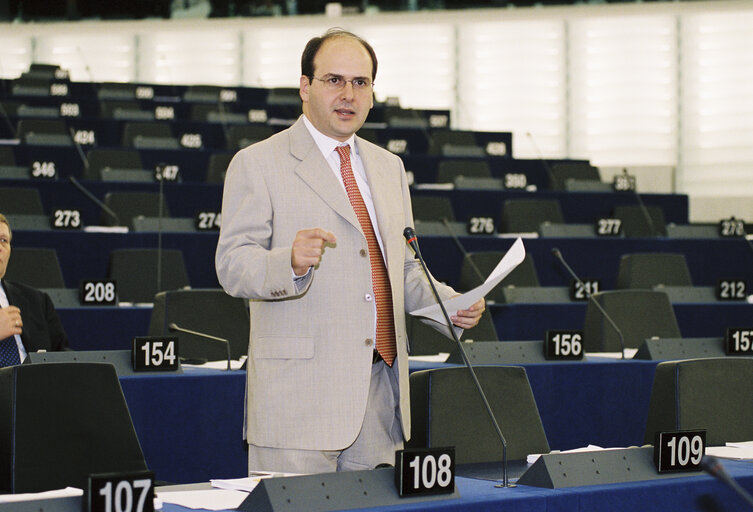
[[425, 471]]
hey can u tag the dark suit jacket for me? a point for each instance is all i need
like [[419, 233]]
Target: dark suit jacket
[[42, 328]]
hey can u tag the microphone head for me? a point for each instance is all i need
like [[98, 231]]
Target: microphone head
[[711, 465], [172, 327], [556, 252], [409, 233]]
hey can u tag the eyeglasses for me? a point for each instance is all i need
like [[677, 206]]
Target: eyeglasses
[[336, 82]]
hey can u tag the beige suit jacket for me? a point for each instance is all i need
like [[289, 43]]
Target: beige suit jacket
[[311, 343]]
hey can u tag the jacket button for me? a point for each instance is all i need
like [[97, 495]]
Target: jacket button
[[368, 297], [369, 342]]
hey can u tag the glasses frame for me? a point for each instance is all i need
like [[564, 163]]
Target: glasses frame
[[325, 80]]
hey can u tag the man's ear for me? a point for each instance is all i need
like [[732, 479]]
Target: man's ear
[[304, 88]]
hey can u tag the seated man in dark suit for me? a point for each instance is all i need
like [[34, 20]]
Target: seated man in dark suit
[[28, 321]]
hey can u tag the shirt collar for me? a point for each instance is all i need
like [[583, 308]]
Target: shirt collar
[[327, 144]]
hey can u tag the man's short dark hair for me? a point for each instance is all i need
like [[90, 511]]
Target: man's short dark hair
[[312, 48]]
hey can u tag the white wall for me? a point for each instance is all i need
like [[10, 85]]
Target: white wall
[[662, 86]]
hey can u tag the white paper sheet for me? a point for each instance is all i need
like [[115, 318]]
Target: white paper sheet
[[739, 450], [57, 493], [208, 499], [514, 256]]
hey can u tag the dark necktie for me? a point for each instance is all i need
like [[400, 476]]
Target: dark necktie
[[9, 352], [385, 323]]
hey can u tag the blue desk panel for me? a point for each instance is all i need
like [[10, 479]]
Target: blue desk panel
[[190, 425], [699, 493]]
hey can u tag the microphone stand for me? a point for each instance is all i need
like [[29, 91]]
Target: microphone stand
[[712, 466], [557, 254], [410, 236], [174, 327]]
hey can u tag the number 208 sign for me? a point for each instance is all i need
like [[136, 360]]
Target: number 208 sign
[[423, 471]]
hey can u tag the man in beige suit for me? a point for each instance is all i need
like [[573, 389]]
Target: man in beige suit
[[312, 236]]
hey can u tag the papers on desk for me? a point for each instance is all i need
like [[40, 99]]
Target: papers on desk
[[31, 496], [509, 261], [235, 364], [738, 451], [629, 354], [224, 495], [209, 499], [432, 358]]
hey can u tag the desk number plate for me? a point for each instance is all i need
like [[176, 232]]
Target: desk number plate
[[680, 450], [739, 341], [424, 471], [565, 345], [121, 492], [155, 353]]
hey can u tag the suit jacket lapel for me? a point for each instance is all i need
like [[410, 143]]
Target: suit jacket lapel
[[314, 170], [13, 300]]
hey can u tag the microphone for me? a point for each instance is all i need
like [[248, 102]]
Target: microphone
[[557, 254], [543, 161], [79, 149], [410, 237], [173, 327], [644, 209], [712, 466], [94, 199]]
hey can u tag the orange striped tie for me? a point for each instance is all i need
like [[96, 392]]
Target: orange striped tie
[[385, 330]]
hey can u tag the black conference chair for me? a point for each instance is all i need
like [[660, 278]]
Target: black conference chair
[[446, 410], [63, 422], [432, 208], [714, 394], [527, 215], [128, 205], [147, 135], [477, 266], [457, 143], [135, 273], [212, 312], [425, 340], [45, 132], [22, 200], [217, 113], [238, 137], [648, 270], [103, 161], [449, 170], [217, 167], [641, 222], [639, 314], [125, 110], [38, 268], [7, 158], [566, 176]]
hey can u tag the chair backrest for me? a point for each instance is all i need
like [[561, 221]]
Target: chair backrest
[[454, 143], [212, 312], [446, 410], [7, 156], [217, 167], [111, 158], [63, 422], [135, 273], [640, 222], [38, 268], [240, 136], [477, 266], [527, 215], [639, 314], [714, 394], [154, 135], [448, 170], [20, 200], [128, 205], [425, 340], [41, 126], [432, 208], [562, 172], [647, 270]]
